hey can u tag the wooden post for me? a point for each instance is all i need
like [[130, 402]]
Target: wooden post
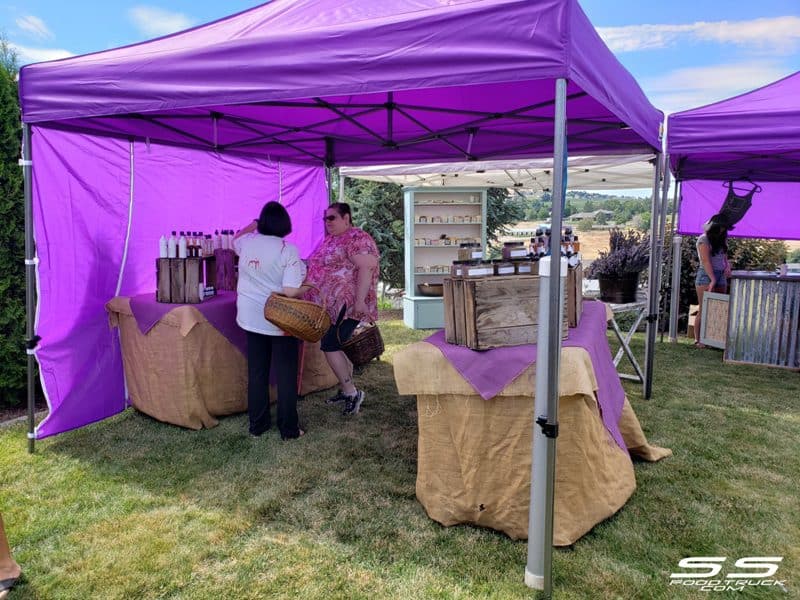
[[164, 288], [194, 268], [177, 271]]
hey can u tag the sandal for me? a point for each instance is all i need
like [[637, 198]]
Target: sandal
[[700, 345]]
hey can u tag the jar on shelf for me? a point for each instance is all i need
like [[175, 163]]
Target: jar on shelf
[[456, 269], [503, 266], [470, 251], [477, 268], [524, 266], [422, 219], [514, 250]]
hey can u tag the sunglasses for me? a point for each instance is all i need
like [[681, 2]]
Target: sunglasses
[[329, 217]]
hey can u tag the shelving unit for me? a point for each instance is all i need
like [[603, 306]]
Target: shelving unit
[[437, 220]]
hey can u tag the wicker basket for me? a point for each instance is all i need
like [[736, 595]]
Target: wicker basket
[[365, 344], [300, 318]]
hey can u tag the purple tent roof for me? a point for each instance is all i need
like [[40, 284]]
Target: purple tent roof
[[755, 136], [359, 82]]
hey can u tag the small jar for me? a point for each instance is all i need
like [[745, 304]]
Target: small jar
[[479, 268], [514, 250], [423, 219], [576, 244], [524, 266], [457, 268], [470, 251], [502, 266]]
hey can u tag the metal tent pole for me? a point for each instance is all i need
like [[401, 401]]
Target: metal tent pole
[[677, 260], [653, 278], [31, 339], [341, 186], [539, 568]]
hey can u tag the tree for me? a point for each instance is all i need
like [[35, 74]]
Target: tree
[[584, 225], [601, 218], [12, 236], [378, 210], [502, 211]]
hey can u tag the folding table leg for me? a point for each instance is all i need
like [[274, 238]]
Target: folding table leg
[[626, 349]]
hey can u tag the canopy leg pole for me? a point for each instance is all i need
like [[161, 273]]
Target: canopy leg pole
[[31, 340], [653, 277], [677, 263], [341, 187], [539, 568]]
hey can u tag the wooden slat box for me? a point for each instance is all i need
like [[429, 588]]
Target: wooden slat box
[[574, 295], [178, 280], [493, 312]]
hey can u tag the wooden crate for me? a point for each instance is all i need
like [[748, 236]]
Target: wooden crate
[[493, 312], [178, 280], [574, 295], [226, 275]]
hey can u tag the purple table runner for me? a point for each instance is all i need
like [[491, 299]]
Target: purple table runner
[[219, 310], [489, 371]]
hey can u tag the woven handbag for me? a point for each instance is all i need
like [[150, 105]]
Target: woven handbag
[[365, 344], [305, 320]]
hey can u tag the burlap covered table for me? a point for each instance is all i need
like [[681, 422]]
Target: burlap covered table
[[185, 372], [474, 455]]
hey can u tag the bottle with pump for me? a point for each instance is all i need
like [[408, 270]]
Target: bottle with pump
[[172, 246]]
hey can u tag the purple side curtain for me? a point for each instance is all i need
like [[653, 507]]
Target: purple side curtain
[[82, 192], [770, 215]]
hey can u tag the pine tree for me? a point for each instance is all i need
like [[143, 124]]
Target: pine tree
[[12, 238]]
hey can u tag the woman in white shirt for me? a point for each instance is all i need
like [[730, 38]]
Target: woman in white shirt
[[267, 264]]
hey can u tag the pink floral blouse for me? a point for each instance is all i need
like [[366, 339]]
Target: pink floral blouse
[[331, 270]]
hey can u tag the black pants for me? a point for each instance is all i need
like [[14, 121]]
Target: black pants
[[281, 353]]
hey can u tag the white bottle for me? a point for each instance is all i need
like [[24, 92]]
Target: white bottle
[[172, 246], [217, 240], [182, 246], [162, 247], [226, 240]]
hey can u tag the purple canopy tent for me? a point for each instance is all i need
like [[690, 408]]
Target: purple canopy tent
[[352, 82], [751, 139]]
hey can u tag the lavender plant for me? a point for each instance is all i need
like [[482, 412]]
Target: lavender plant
[[628, 255]]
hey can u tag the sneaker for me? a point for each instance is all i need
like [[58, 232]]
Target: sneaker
[[337, 398], [352, 404]]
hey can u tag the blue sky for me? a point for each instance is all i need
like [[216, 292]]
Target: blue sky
[[683, 53]]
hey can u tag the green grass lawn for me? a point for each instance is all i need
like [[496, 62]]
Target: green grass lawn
[[133, 508]]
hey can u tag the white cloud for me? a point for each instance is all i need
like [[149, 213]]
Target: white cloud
[[154, 21], [32, 55], [690, 87], [34, 26], [775, 35]]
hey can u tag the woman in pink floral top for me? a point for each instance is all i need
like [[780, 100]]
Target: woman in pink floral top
[[344, 267]]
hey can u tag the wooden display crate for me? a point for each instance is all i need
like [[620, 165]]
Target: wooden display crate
[[492, 312], [574, 295], [178, 280]]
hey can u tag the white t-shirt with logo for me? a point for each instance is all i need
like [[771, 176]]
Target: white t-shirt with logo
[[266, 264]]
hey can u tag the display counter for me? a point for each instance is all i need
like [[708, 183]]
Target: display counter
[[764, 319], [474, 454], [185, 364]]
